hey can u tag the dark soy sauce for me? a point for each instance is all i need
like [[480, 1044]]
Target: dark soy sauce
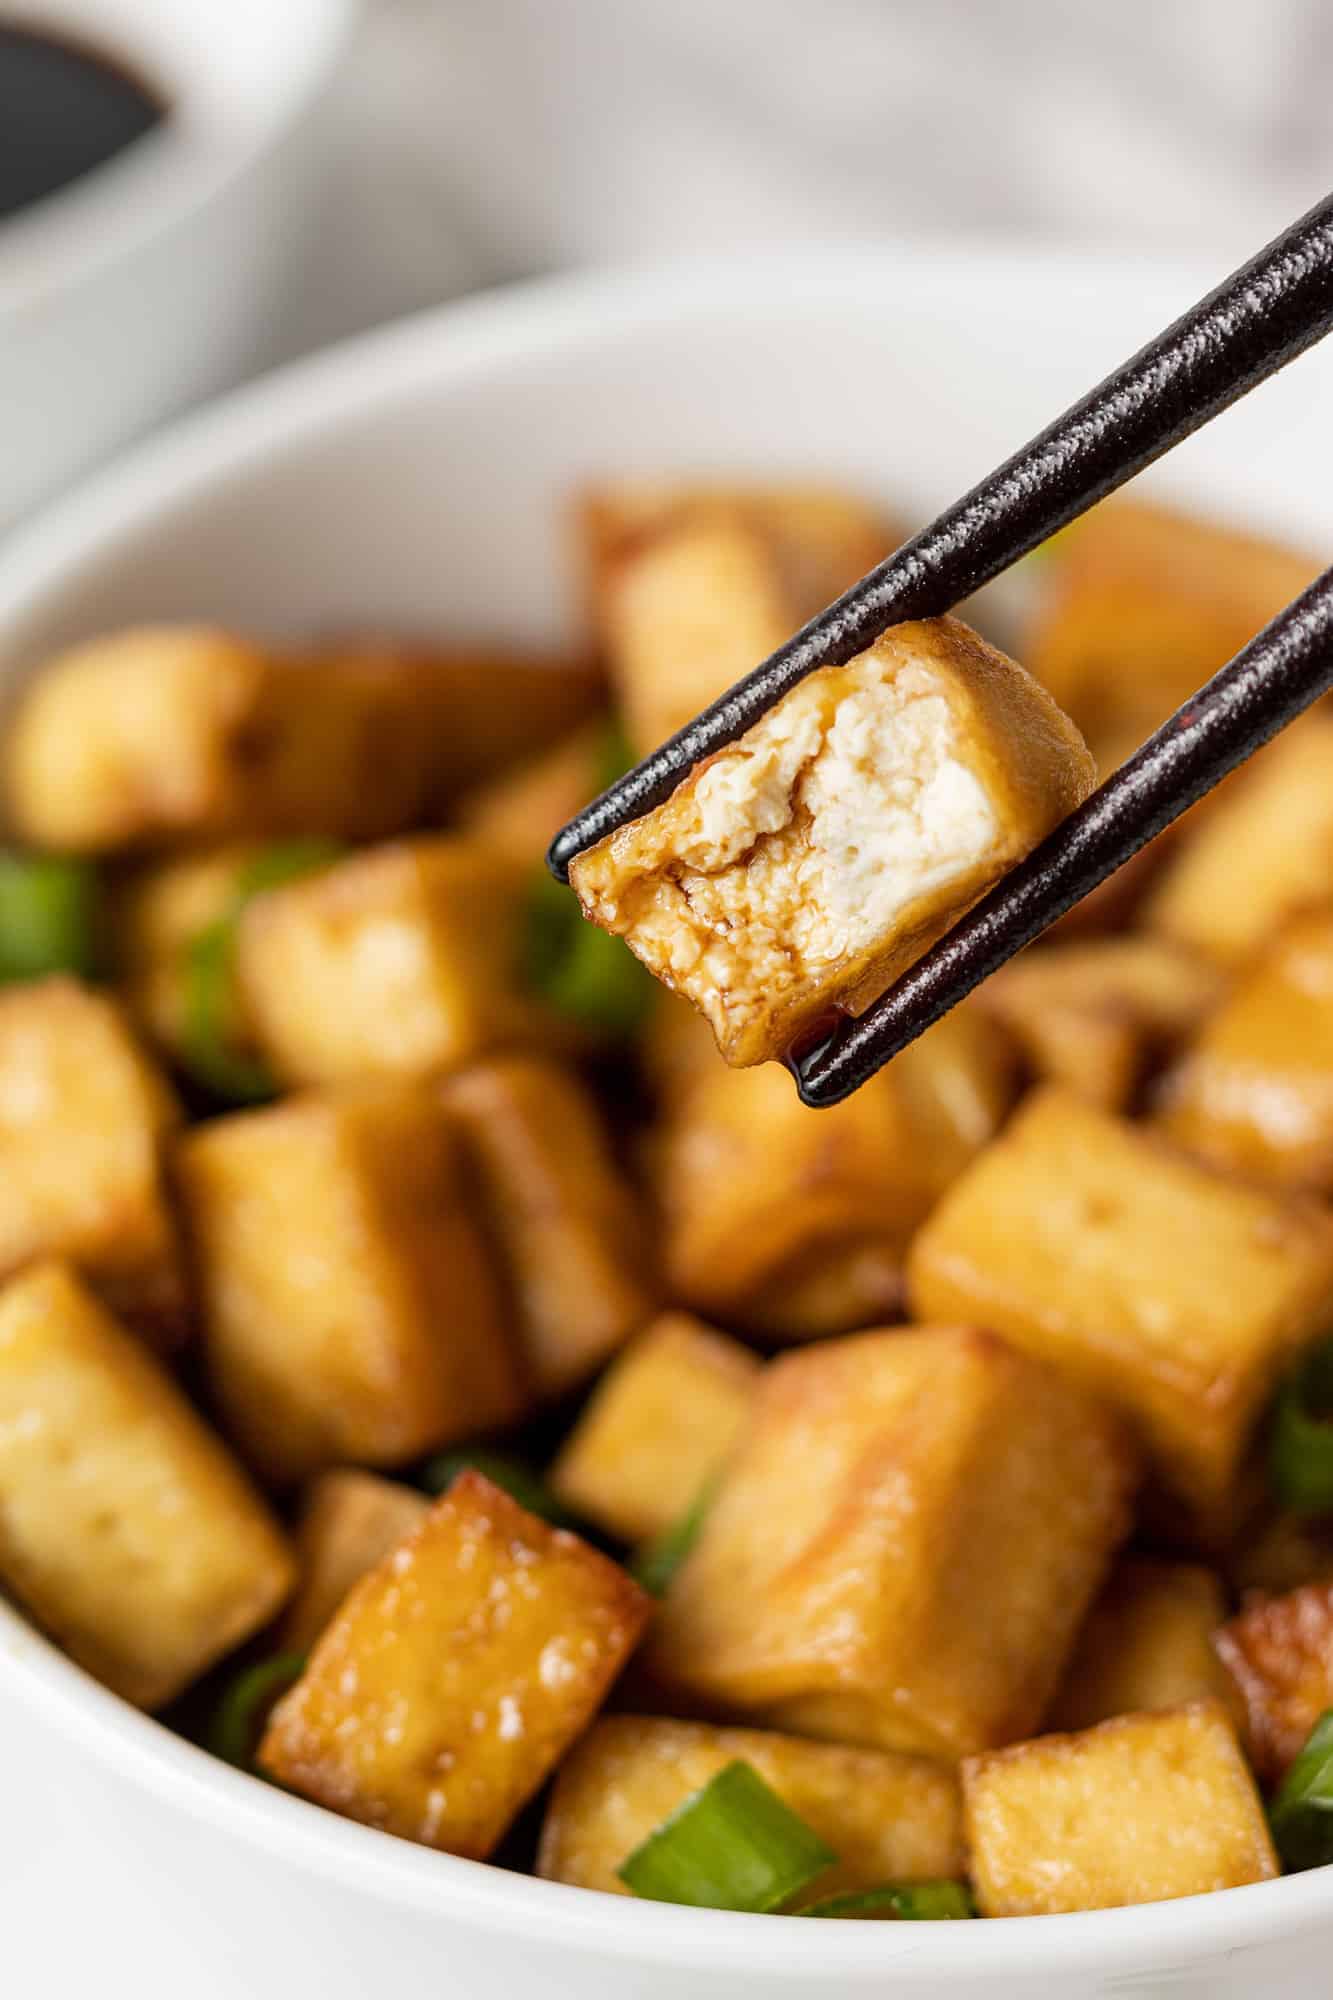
[[64, 109]]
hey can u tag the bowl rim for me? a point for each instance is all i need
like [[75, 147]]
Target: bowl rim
[[239, 434]]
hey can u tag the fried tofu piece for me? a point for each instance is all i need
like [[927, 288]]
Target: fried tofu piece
[[1147, 1645], [690, 587], [1261, 853], [85, 1116], [1140, 606], [402, 960], [888, 1817], [159, 911], [520, 812], [187, 732], [1255, 1091], [562, 1213], [457, 1674], [790, 1223], [126, 1527], [806, 866], [1138, 1810], [1279, 1651], [352, 1313], [1278, 1552], [660, 1426], [1174, 1292], [893, 1495], [349, 1522], [1095, 1016]]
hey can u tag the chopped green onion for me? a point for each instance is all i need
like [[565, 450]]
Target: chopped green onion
[[238, 1722], [582, 972], [735, 1845], [656, 1563], [1301, 1446], [47, 916], [1302, 1813], [513, 1477], [922, 1901], [209, 975]]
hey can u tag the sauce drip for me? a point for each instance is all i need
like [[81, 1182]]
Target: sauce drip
[[64, 110]]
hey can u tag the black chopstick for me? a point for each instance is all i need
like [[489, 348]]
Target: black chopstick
[[1268, 683], [1262, 317]]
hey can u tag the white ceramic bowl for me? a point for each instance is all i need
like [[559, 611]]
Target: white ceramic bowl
[[418, 475], [147, 283]]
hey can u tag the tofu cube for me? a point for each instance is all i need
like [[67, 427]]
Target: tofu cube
[[85, 1116], [690, 587], [178, 731], [894, 1495], [457, 1674], [1279, 1651], [126, 1528], [521, 811], [1258, 855], [352, 1314], [660, 1426], [1096, 1016], [1138, 1810], [792, 1224], [1254, 1093], [888, 1818], [1147, 1645], [565, 1220], [1174, 1292], [349, 1522], [404, 959], [806, 866]]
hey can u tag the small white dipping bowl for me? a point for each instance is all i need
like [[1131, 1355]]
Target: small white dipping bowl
[[146, 284], [420, 476]]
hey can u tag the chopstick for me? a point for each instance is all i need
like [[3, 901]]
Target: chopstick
[[1264, 315]]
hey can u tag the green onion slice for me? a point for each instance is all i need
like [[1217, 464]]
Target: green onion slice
[[1302, 1813], [916, 1901], [512, 1475], [657, 1561], [238, 1721], [734, 1845], [281, 862], [47, 916], [1301, 1445], [584, 973]]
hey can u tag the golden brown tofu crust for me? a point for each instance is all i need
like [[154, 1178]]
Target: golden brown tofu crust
[[349, 1522], [1279, 1650], [520, 813], [887, 1817], [126, 1527], [457, 1674], [751, 890], [1140, 1809], [1147, 1645]]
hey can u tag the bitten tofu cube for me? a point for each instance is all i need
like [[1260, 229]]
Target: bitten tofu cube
[[352, 1314], [660, 1426], [888, 1818], [85, 1116], [126, 1527], [1147, 1644], [181, 731], [561, 1212], [1174, 1292], [1279, 1651], [1138, 1810], [894, 1495], [1261, 852], [807, 865], [404, 959], [1096, 1016], [349, 1522], [521, 811], [1140, 605], [1255, 1091], [690, 587], [457, 1674], [790, 1223]]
